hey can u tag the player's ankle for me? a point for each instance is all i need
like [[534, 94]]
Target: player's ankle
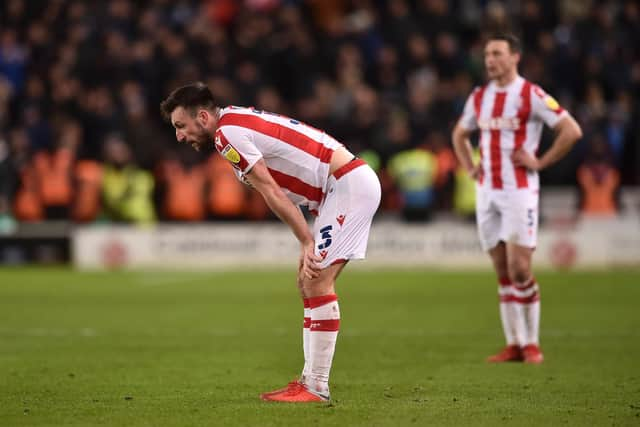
[[316, 386]]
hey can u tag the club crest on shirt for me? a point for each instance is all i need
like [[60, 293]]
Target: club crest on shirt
[[340, 219], [538, 91], [230, 154]]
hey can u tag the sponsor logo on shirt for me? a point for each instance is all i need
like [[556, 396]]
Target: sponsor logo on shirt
[[499, 123]]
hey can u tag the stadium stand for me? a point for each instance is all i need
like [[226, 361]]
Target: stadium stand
[[383, 77]]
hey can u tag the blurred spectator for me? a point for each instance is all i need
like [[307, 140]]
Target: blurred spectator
[[127, 191], [618, 124], [13, 58], [183, 181], [464, 191], [398, 22], [47, 190], [436, 142], [599, 180], [37, 127], [147, 139], [27, 205], [226, 196], [101, 117], [88, 183], [7, 222], [414, 172]]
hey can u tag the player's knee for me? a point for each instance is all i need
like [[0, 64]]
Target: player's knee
[[318, 286], [317, 289], [519, 272]]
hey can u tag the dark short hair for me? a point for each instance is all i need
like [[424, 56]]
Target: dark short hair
[[515, 46], [190, 97]]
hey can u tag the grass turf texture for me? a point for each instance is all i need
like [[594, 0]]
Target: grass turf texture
[[197, 349]]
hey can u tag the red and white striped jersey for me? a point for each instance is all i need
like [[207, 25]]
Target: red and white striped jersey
[[509, 118], [297, 155]]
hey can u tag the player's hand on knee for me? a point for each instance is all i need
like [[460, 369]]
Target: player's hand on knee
[[310, 261]]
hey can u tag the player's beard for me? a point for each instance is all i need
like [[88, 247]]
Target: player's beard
[[201, 138]]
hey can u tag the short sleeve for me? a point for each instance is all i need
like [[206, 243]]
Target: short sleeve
[[235, 144], [545, 107], [468, 120]]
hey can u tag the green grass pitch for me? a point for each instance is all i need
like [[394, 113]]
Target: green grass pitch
[[192, 349]]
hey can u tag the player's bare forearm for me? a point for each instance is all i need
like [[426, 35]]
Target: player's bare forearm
[[260, 178], [463, 150], [568, 133], [289, 214]]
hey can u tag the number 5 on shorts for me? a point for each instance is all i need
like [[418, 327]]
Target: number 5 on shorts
[[326, 236], [530, 217]]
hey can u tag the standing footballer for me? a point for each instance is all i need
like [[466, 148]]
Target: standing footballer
[[509, 113], [293, 164]]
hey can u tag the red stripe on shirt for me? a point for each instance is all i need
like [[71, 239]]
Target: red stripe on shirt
[[328, 325], [477, 100], [297, 186], [495, 159], [242, 164], [521, 133], [477, 105], [307, 322], [279, 132]]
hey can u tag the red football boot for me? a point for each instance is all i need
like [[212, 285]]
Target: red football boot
[[510, 353], [280, 390], [295, 392], [532, 354]]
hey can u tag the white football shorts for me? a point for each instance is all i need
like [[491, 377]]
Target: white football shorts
[[508, 216], [341, 229]]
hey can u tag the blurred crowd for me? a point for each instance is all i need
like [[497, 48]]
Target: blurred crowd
[[81, 136]]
